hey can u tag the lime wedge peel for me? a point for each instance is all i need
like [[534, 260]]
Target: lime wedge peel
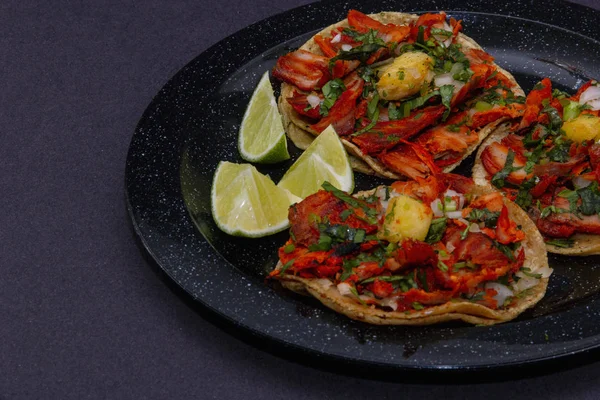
[[246, 203], [261, 137], [325, 159]]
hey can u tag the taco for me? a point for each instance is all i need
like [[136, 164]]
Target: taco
[[408, 95], [415, 253], [549, 164]]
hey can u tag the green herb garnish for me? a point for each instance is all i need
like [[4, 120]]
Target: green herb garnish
[[331, 91]]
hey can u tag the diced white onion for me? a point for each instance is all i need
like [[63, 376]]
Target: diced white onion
[[344, 289], [430, 76], [456, 68], [447, 79], [436, 207], [454, 214], [591, 96], [324, 283], [346, 47], [450, 247], [503, 292], [544, 271], [336, 38], [461, 198], [464, 221], [581, 182], [444, 79], [313, 100], [446, 41], [381, 194], [474, 228], [391, 302], [595, 104], [525, 282]]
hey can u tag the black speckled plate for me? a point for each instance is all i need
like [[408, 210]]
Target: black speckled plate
[[192, 124]]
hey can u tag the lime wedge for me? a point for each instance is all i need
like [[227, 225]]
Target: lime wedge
[[247, 203], [324, 160], [261, 137]]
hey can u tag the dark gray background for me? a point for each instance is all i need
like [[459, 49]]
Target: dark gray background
[[82, 315]]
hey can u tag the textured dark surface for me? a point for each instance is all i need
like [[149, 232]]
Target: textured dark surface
[[82, 315]]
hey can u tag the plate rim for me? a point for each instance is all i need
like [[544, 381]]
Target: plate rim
[[136, 221]]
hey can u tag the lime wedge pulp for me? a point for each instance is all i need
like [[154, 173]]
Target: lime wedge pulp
[[324, 160], [261, 136], [248, 203]]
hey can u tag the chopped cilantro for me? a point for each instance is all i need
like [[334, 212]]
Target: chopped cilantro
[[524, 197], [459, 265], [572, 196], [527, 272], [554, 117], [528, 140], [346, 213], [421, 35], [286, 266], [590, 199], [477, 297], [446, 92], [464, 75], [436, 230], [559, 94], [500, 176], [348, 266], [372, 113], [572, 109], [324, 243], [504, 280], [346, 198], [289, 248], [331, 91], [547, 211], [417, 306], [560, 151], [489, 218], [565, 243], [442, 266], [394, 112], [369, 37], [361, 53], [392, 278], [441, 32], [359, 237], [465, 233], [506, 250], [422, 276], [355, 293]]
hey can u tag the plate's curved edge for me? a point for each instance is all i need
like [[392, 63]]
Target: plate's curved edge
[[353, 367], [358, 369], [138, 232]]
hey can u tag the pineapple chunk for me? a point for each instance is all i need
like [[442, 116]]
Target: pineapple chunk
[[404, 76], [584, 127], [405, 218]]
